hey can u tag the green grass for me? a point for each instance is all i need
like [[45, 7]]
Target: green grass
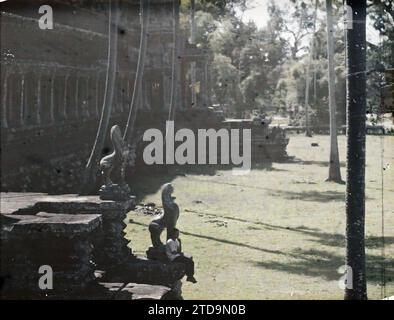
[[278, 232]]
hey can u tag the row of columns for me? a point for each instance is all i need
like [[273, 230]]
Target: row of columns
[[42, 98], [203, 77]]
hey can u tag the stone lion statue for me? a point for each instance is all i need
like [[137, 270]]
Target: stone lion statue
[[167, 220]]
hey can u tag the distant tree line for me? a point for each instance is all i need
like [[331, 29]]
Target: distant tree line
[[265, 69]]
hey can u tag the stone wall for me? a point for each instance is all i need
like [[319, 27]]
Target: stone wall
[[53, 84]]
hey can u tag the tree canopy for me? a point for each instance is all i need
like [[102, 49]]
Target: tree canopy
[[265, 68]]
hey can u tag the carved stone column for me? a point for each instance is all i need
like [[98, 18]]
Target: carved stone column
[[207, 90], [97, 95], [63, 111], [86, 101], [4, 122], [52, 99], [76, 97], [38, 101], [23, 102]]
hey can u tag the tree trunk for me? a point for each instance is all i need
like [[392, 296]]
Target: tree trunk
[[176, 62], [308, 71], [137, 90], [334, 172], [193, 63], [355, 189], [91, 170]]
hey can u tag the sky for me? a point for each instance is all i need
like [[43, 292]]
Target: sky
[[258, 13]]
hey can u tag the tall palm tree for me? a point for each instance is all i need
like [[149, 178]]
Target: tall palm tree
[[137, 90], [193, 41], [355, 189], [334, 172], [90, 174], [308, 132], [176, 64]]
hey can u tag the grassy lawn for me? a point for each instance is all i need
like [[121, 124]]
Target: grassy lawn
[[278, 232]]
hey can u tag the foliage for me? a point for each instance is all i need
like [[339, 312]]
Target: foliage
[[225, 75], [265, 68]]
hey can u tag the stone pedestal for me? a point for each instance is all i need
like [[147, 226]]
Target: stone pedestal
[[115, 192], [63, 242], [111, 247], [157, 253], [132, 291], [153, 272]]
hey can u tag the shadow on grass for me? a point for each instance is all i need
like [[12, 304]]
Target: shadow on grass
[[315, 196], [338, 240], [149, 184], [312, 262], [316, 235], [225, 241], [313, 162], [317, 263], [324, 264], [148, 180]]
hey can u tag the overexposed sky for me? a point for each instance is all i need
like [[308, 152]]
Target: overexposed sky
[[257, 12]]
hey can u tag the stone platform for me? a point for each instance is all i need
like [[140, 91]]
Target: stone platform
[[54, 224], [133, 291], [144, 270], [14, 203], [153, 272], [61, 241], [111, 246], [76, 235], [30, 203]]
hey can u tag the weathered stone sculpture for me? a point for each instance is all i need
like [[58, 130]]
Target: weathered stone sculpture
[[167, 220], [117, 160]]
